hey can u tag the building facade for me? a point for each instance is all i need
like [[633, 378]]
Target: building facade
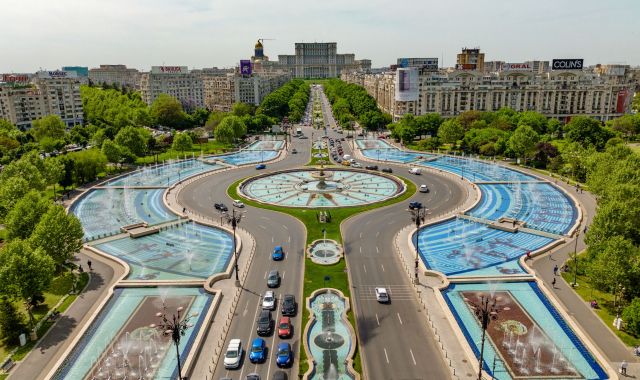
[[320, 60], [115, 74], [470, 59], [558, 94], [176, 81]]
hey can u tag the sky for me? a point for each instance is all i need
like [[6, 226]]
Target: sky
[[50, 34]]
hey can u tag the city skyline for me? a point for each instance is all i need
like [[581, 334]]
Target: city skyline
[[220, 34]]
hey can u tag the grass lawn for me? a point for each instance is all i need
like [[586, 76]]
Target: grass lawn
[[211, 147], [315, 273], [606, 310]]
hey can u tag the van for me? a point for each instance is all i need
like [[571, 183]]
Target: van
[[346, 157], [415, 171]]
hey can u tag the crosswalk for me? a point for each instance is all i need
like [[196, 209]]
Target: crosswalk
[[396, 292]]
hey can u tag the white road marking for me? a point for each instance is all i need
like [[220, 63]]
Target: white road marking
[[377, 250], [253, 326], [412, 357], [377, 233], [365, 268], [391, 222], [289, 239], [360, 235], [377, 320], [264, 217], [382, 267], [283, 273], [265, 275], [400, 319], [246, 309], [272, 239], [385, 355], [285, 227], [261, 226]]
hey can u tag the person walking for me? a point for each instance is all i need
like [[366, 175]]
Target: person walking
[[89, 264], [553, 283], [555, 270], [623, 367]]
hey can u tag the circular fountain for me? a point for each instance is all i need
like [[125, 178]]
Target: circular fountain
[[325, 251]]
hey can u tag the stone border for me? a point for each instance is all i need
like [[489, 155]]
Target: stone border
[[402, 188], [312, 321], [318, 241]]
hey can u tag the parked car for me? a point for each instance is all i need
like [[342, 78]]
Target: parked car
[[273, 280], [265, 323], [424, 189], [233, 354], [238, 203], [258, 351], [285, 329], [415, 171], [220, 207], [382, 295], [252, 376], [356, 165], [387, 170], [279, 375], [415, 205], [371, 167], [269, 300], [261, 166], [278, 253], [294, 151], [284, 355], [289, 306]]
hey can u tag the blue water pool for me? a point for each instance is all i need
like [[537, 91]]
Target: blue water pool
[[529, 339], [104, 211], [462, 247], [374, 144], [164, 174], [121, 330], [184, 252], [394, 155], [477, 171], [266, 145], [247, 157]]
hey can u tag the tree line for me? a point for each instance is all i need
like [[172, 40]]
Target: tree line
[[351, 103]]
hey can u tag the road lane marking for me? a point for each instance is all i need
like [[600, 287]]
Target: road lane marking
[[377, 250], [382, 267], [365, 268], [385, 355], [360, 249], [285, 227], [377, 320], [391, 222], [377, 233], [283, 273], [289, 239], [272, 239], [261, 226], [360, 235], [253, 328], [265, 276], [246, 309], [400, 319], [412, 357], [264, 217]]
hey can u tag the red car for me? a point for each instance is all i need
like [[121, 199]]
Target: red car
[[284, 327]]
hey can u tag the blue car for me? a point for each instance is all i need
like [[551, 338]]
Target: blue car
[[258, 351], [278, 253], [284, 355], [260, 166]]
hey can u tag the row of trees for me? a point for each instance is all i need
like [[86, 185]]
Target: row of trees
[[351, 103], [289, 100]]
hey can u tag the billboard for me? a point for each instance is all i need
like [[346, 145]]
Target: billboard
[[466, 66], [15, 78], [406, 84], [526, 66], [625, 96], [567, 64], [56, 74], [169, 70], [421, 63], [245, 67]]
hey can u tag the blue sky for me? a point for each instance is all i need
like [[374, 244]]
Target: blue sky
[[204, 33]]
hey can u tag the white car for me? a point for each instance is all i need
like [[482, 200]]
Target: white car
[[415, 171], [382, 295], [234, 354], [356, 165], [269, 300], [238, 203], [424, 189]]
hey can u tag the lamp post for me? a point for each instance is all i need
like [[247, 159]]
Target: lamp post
[[175, 327], [486, 311], [235, 219], [417, 216], [575, 261]]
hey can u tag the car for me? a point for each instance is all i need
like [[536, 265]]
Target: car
[[382, 295], [294, 151], [423, 189], [415, 205], [284, 356], [269, 300], [261, 166], [285, 329], [278, 253], [387, 170], [302, 137], [346, 163], [415, 171], [265, 323], [356, 165], [371, 167], [238, 203], [279, 375], [289, 306], [220, 207], [233, 354], [258, 351], [252, 376], [273, 280]]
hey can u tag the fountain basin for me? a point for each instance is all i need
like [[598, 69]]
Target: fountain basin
[[325, 251]]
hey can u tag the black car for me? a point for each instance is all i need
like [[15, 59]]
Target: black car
[[279, 375], [415, 205], [371, 167], [387, 170], [289, 306], [220, 207], [265, 323]]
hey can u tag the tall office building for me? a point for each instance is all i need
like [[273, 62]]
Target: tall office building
[[470, 59], [115, 74], [176, 81], [320, 60]]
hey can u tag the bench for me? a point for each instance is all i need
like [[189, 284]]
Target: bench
[[7, 365]]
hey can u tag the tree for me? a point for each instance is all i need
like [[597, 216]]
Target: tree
[[235, 124], [11, 322], [25, 272], [523, 140], [112, 151], [24, 168], [242, 109], [467, 118], [428, 124], [25, 215], [87, 164], [627, 125], [214, 119], [167, 111], [58, 234], [587, 131], [631, 316], [11, 191], [224, 133], [53, 172], [450, 131], [181, 142], [49, 126], [134, 139], [535, 120], [614, 264]]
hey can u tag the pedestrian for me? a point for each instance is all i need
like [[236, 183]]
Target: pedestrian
[[555, 270], [585, 229], [528, 255], [623, 367], [89, 264], [80, 268], [553, 282]]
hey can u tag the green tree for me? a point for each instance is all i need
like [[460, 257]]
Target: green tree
[[134, 139], [87, 164], [49, 126], [11, 191], [214, 120], [523, 141], [112, 151], [242, 109], [428, 124], [587, 131], [11, 322], [450, 131], [615, 264], [25, 215], [167, 111], [631, 316], [58, 234], [628, 126], [53, 172], [236, 124], [224, 133], [535, 120], [182, 142], [25, 272]]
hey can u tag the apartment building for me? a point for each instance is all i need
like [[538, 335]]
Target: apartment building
[[120, 75], [176, 81]]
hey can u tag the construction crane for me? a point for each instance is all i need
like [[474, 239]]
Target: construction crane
[[265, 39]]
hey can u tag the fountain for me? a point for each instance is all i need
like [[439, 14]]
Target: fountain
[[325, 251]]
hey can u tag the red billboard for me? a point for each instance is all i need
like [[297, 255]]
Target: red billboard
[[466, 66], [15, 78], [624, 99]]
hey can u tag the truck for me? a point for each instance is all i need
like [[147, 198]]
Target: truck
[[298, 131]]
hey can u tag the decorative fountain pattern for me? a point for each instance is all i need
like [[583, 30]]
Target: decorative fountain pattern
[[329, 338], [321, 188], [325, 251], [163, 175], [244, 157], [381, 150], [266, 145], [120, 344]]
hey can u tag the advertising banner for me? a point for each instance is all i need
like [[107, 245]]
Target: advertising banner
[[15, 78], [245, 67], [169, 70], [517, 67], [406, 84], [567, 64], [466, 66], [624, 99], [56, 74]]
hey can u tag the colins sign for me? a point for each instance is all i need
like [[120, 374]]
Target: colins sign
[[567, 64]]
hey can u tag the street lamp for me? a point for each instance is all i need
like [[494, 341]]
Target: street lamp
[[575, 261], [175, 327], [486, 311], [235, 219], [417, 216]]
